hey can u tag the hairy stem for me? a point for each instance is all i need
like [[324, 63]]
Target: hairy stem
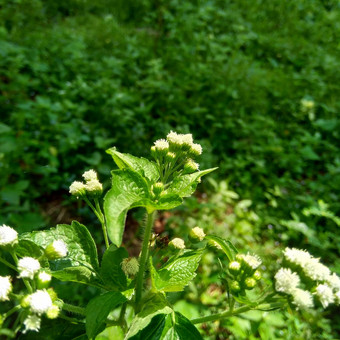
[[143, 258], [8, 264], [73, 309], [103, 223]]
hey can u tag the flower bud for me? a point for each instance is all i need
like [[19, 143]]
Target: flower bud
[[196, 235], [249, 283], [28, 267], [53, 312], [162, 147], [153, 152], [170, 156], [190, 166], [8, 237], [43, 280], [94, 187], [234, 267], [53, 295], [130, 266], [5, 287], [176, 244], [56, 250], [257, 275], [25, 301], [78, 189], [158, 188], [235, 287]]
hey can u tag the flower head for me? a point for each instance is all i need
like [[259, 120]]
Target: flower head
[[177, 243], [286, 281], [53, 312], [315, 270], [40, 302], [296, 256], [8, 236], [130, 266], [94, 187], [190, 166], [196, 235], [32, 323], [196, 149], [56, 250], [325, 295], [90, 175], [302, 298], [161, 145], [5, 287], [77, 189], [44, 279], [333, 281], [28, 267], [252, 261]]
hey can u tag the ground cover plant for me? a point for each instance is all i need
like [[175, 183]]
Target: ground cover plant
[[133, 295]]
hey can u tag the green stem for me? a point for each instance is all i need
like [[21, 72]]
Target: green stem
[[102, 221], [226, 314], [26, 282], [143, 258], [10, 312], [8, 264], [74, 309]]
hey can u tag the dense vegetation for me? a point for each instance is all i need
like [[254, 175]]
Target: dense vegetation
[[255, 82]]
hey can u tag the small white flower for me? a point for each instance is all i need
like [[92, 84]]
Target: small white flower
[[5, 287], [90, 175], [286, 281], [196, 149], [177, 243], [302, 298], [325, 295], [174, 138], [8, 236], [198, 233], [296, 256], [94, 186], [32, 323], [161, 144], [28, 266], [316, 270], [191, 166], [44, 277], [187, 139], [333, 281], [253, 261], [40, 302], [77, 189]]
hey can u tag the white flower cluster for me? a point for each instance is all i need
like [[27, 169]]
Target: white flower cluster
[[92, 185], [5, 287], [8, 236], [327, 287], [28, 267]]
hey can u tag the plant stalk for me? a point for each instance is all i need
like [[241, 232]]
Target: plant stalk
[[143, 259]]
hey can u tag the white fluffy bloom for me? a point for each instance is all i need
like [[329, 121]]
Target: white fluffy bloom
[[325, 295], [286, 281], [253, 261], [5, 287], [90, 175], [316, 270], [198, 233], [196, 149], [187, 139], [32, 323], [44, 277], [174, 138], [60, 248], [40, 302], [161, 144], [94, 186], [302, 298], [296, 256], [8, 236], [177, 243], [77, 188], [333, 281], [28, 266]]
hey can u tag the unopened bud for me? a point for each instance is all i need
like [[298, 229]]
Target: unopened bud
[[162, 147], [234, 267], [196, 235], [190, 166], [170, 156], [25, 301], [257, 275], [56, 250], [249, 283], [53, 295], [235, 287], [158, 188], [153, 152], [43, 280], [130, 266], [53, 312]]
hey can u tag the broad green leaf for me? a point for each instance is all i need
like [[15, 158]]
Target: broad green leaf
[[28, 248], [82, 250], [141, 165], [185, 185], [98, 310], [165, 202], [128, 188], [154, 306], [184, 329], [111, 271], [228, 248], [76, 274], [177, 272]]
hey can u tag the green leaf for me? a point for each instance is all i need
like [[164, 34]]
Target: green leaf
[[82, 251], [156, 305], [177, 272], [111, 271], [185, 185], [98, 310], [75, 274], [143, 166], [128, 190], [228, 248], [28, 248], [184, 329], [165, 202]]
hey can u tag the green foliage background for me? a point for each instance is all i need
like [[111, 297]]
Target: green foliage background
[[77, 77]]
